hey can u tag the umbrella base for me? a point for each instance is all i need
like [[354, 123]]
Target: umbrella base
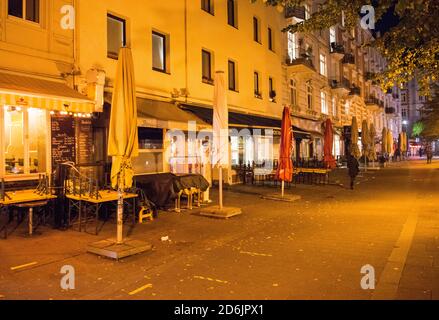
[[278, 197], [224, 213], [110, 249]]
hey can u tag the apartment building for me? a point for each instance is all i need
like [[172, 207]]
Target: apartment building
[[328, 73]]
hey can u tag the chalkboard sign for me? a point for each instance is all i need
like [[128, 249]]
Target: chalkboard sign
[[63, 139], [84, 141]]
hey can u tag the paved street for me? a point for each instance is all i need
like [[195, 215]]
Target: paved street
[[310, 249]]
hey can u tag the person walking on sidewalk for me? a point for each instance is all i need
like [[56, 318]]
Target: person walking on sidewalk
[[429, 155], [353, 169]]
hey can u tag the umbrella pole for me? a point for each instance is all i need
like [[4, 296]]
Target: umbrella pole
[[220, 178], [119, 239], [283, 188]]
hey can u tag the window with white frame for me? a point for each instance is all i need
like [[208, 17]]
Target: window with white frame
[[309, 93], [292, 46], [293, 89], [323, 102], [28, 10], [116, 35], [334, 107], [160, 49], [24, 141], [307, 11], [323, 67], [332, 35]]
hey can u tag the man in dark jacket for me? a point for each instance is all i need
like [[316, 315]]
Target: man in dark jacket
[[353, 168]]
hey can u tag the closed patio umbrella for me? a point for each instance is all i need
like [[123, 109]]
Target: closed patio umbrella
[[372, 151], [122, 139], [384, 142], [389, 142], [329, 144], [365, 141], [285, 167], [355, 150], [220, 130]]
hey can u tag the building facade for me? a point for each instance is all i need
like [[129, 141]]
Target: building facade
[[328, 74], [64, 73]]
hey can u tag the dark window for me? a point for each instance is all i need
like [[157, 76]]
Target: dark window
[[270, 39], [207, 6], [232, 75], [271, 89], [116, 35], [207, 66], [256, 29], [25, 9], [231, 13], [256, 84], [159, 51]]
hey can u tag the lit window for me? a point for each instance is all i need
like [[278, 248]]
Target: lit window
[[292, 46], [307, 11], [232, 76], [25, 9], [207, 5], [116, 35], [332, 35], [24, 141], [207, 66], [323, 102], [159, 52], [322, 64], [232, 17]]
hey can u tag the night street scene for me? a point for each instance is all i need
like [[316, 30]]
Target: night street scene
[[221, 151]]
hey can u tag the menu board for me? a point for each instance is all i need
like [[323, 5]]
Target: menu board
[[84, 141], [63, 139]]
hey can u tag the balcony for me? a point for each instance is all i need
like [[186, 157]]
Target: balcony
[[337, 50], [355, 91], [295, 12], [348, 59], [374, 104], [301, 65], [390, 110], [341, 87]]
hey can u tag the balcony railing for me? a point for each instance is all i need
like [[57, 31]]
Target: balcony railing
[[390, 110], [304, 58], [374, 100], [348, 59], [337, 48], [337, 84], [295, 12]]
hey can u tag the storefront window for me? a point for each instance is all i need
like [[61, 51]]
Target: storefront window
[[37, 140], [24, 142], [14, 140]]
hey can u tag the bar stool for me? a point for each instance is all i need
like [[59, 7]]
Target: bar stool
[[31, 206]]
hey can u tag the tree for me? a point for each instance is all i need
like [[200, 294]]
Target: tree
[[417, 129], [411, 47], [430, 116]]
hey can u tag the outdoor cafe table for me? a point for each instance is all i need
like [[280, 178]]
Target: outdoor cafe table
[[85, 203], [25, 198]]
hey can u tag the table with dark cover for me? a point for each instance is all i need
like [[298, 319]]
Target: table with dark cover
[[163, 188]]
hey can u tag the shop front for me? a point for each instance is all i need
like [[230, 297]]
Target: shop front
[[40, 125]]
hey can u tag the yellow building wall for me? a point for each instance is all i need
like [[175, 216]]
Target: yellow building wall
[[203, 31], [43, 48]]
